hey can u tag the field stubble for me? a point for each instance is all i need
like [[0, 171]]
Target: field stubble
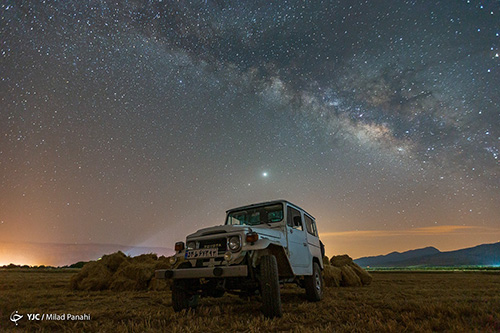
[[394, 302]]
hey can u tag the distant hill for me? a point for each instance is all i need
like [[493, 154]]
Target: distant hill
[[54, 254], [481, 255], [395, 257]]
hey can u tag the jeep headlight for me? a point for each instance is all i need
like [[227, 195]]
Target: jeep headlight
[[234, 243], [191, 245]]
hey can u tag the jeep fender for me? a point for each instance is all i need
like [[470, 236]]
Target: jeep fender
[[284, 267]]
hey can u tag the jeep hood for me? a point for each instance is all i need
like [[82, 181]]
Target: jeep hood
[[229, 229]]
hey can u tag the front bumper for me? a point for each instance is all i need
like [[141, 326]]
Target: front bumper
[[202, 272]]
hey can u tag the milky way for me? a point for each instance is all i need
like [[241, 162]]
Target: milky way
[[138, 122]]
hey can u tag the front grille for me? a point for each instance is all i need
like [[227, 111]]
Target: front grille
[[219, 243]]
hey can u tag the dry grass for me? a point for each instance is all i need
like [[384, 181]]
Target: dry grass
[[394, 302]]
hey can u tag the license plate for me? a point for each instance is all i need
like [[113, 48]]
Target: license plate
[[201, 253]]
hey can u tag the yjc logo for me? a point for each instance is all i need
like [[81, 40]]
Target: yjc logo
[[15, 317]]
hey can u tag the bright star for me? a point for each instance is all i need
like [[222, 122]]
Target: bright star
[[264, 174]]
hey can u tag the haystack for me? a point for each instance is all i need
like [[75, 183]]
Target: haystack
[[133, 276], [120, 272], [113, 261], [339, 261], [326, 261], [93, 276], [332, 276], [342, 271], [364, 276], [349, 277]]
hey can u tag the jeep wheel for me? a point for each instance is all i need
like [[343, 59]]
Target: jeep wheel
[[181, 298], [314, 284], [270, 287]]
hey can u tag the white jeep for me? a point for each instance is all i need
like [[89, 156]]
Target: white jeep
[[258, 248]]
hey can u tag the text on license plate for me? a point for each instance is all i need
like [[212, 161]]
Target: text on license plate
[[201, 253]]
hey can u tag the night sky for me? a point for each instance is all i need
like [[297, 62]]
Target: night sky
[[138, 122]]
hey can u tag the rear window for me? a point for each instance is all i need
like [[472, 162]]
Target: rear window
[[310, 225]]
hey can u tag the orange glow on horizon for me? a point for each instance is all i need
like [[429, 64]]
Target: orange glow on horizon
[[20, 260], [357, 243], [18, 254], [435, 230], [361, 243]]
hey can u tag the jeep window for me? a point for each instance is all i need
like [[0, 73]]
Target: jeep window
[[310, 226], [294, 219], [257, 215]]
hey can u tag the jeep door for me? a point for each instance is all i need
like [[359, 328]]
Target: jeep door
[[298, 251], [313, 238]]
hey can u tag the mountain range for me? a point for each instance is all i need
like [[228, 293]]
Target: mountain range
[[481, 255]]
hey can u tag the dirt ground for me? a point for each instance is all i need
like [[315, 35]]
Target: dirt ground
[[394, 302]]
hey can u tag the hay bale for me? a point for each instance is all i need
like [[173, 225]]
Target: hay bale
[[163, 263], [97, 275], [113, 261], [118, 272], [339, 261], [363, 275], [332, 276], [139, 272], [160, 284], [93, 276], [352, 274], [121, 283], [349, 277], [326, 261]]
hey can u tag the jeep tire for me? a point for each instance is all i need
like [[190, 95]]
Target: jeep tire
[[181, 298], [270, 287], [314, 284]]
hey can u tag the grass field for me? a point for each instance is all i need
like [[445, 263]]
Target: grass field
[[394, 302]]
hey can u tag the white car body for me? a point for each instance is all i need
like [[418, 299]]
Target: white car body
[[277, 235], [300, 247]]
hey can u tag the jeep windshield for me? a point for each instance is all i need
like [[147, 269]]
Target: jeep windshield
[[256, 215]]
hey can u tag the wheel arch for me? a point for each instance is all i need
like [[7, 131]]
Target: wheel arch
[[284, 267], [319, 262]]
